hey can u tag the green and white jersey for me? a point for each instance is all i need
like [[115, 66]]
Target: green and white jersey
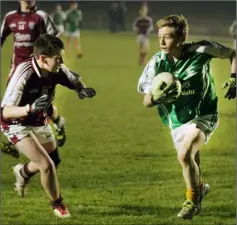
[[73, 20], [58, 17], [198, 95]]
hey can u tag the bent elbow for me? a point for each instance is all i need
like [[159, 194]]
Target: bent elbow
[[146, 104]]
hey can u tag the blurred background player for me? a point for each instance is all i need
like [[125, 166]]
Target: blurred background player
[[26, 24], [59, 17], [73, 25], [143, 25], [122, 9], [113, 13], [232, 31]]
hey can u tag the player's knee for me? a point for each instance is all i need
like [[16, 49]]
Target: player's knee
[[55, 157], [185, 157], [46, 166], [185, 154]]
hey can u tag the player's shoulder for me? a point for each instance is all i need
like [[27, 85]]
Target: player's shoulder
[[11, 13], [42, 13], [79, 12], [149, 18], [68, 11], [199, 43], [27, 64], [24, 69], [138, 18], [200, 46], [158, 56]]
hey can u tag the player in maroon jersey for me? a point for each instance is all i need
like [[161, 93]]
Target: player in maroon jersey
[[27, 24], [25, 112], [143, 25]]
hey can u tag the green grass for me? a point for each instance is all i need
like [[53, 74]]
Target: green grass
[[119, 165]]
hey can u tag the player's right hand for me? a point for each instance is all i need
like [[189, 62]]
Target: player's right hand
[[230, 86], [86, 93], [39, 104]]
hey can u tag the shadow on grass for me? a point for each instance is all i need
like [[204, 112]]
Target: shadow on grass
[[223, 211], [129, 210]]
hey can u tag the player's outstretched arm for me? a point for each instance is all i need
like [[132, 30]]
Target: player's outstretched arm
[[83, 91], [73, 81], [216, 50]]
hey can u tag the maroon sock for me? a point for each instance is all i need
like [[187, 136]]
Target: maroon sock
[[57, 202], [26, 173]]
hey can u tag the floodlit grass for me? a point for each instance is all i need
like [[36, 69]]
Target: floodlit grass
[[119, 165]]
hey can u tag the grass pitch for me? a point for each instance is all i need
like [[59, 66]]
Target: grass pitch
[[119, 165]]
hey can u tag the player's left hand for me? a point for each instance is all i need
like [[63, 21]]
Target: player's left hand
[[230, 87], [168, 95], [86, 93]]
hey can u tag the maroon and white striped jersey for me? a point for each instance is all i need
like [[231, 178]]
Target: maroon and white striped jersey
[[143, 25], [26, 84], [26, 28]]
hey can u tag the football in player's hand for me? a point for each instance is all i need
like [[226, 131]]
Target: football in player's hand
[[165, 87]]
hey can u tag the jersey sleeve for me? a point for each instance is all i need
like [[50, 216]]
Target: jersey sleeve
[[145, 80], [64, 16], [47, 25], [151, 26], [134, 24], [16, 84], [68, 78], [80, 16], [5, 30], [213, 49]]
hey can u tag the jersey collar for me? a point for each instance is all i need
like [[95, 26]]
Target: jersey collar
[[36, 67]]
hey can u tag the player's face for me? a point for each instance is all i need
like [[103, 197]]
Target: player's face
[[59, 7], [168, 40], [74, 5], [27, 3], [52, 64]]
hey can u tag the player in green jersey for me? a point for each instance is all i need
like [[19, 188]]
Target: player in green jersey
[[193, 117], [72, 28], [59, 16]]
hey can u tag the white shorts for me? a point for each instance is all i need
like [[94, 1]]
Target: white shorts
[[204, 123], [72, 34], [15, 133], [143, 40], [60, 28]]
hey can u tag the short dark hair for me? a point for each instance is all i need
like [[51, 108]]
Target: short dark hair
[[48, 45]]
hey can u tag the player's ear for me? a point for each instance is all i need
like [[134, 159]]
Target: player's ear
[[43, 58]]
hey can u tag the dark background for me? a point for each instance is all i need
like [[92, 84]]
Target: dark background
[[205, 17]]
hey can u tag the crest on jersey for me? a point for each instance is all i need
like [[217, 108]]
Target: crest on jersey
[[186, 84], [12, 25], [31, 25]]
